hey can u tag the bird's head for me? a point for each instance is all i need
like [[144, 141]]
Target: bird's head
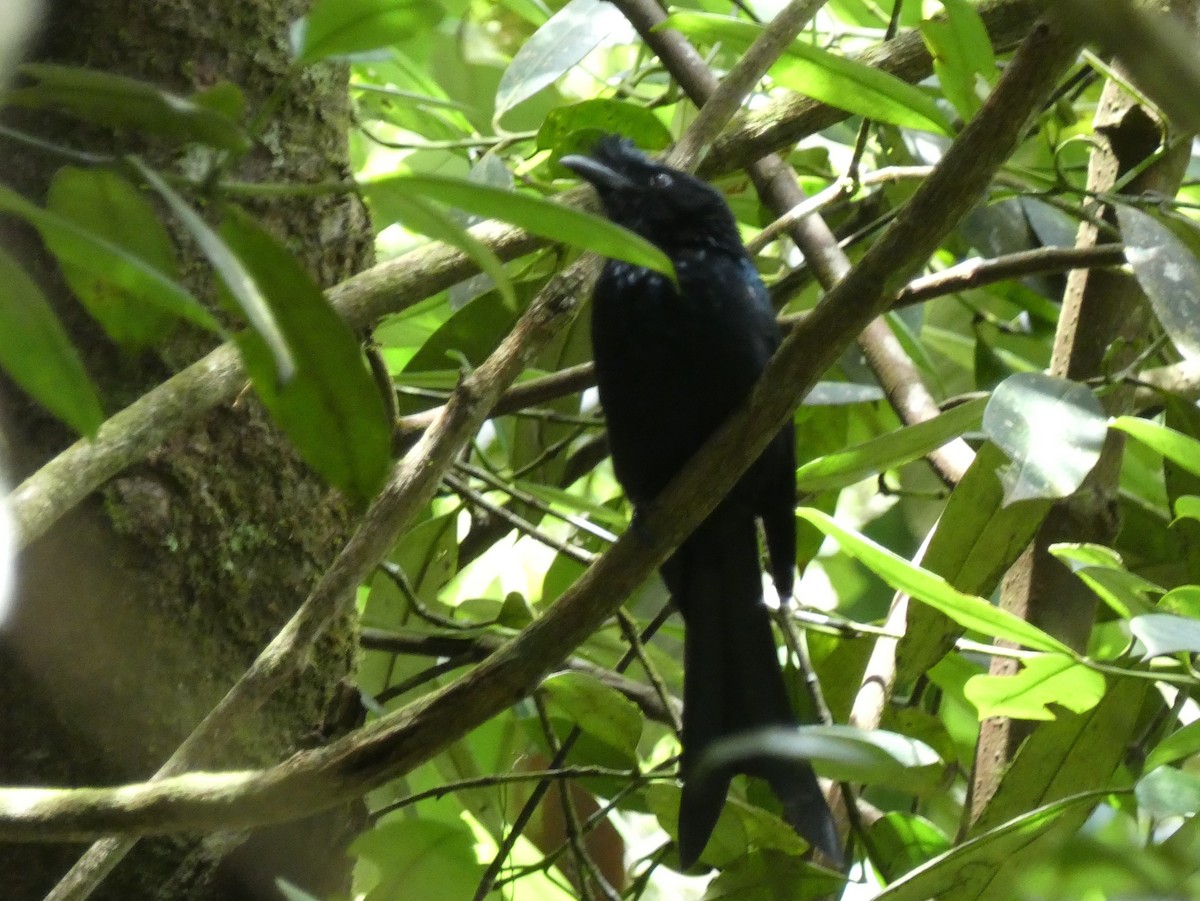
[[667, 207]]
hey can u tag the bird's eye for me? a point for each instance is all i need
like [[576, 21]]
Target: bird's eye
[[660, 180]]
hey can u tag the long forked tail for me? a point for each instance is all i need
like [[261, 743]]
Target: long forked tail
[[733, 683]]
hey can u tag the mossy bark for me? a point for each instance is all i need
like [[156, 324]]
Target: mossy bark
[[138, 611]]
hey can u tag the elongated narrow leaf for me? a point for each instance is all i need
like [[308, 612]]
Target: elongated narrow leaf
[[567, 37], [104, 203], [1042, 681], [1051, 429], [1175, 446], [93, 253], [896, 448], [962, 55], [391, 201], [120, 102], [840, 752], [1168, 272], [339, 28], [968, 611], [241, 285], [331, 409], [824, 76], [983, 854], [36, 352], [541, 217]]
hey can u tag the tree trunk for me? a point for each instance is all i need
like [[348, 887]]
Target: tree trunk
[[138, 611]]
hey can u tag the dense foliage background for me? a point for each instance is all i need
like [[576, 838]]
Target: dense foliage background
[[997, 438]]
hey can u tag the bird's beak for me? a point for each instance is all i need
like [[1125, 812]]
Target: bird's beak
[[599, 175]]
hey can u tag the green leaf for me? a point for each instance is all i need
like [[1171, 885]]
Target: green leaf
[[962, 55], [1187, 507], [1175, 446], [966, 610], [1168, 272], [1183, 742], [540, 217], [331, 409], [557, 47], [95, 254], [420, 858], [596, 708], [119, 102], [240, 284], [1103, 571], [893, 449], [842, 753], [902, 841], [341, 28], [984, 854], [1051, 429], [771, 875], [576, 128], [824, 76], [36, 352], [1165, 633], [104, 203], [1168, 792], [1042, 681], [391, 202]]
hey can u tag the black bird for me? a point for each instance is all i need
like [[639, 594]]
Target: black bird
[[671, 365]]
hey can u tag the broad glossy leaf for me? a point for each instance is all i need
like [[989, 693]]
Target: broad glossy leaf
[[242, 287], [94, 253], [596, 708], [104, 203], [1165, 633], [1041, 681], [1168, 792], [340, 28], [893, 449], [1051, 429], [120, 102], [1168, 272], [331, 408], [824, 76], [567, 37], [841, 752], [541, 217], [968, 611], [1183, 742], [37, 354]]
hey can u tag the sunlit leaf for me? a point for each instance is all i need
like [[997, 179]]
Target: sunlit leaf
[[120, 102], [902, 841], [1175, 446], [962, 55], [420, 858], [824, 76], [104, 203], [340, 28], [1183, 742], [968, 611], [1168, 272], [570, 34], [1103, 571], [37, 354], [1051, 429], [893, 449], [596, 708], [1041, 681]]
